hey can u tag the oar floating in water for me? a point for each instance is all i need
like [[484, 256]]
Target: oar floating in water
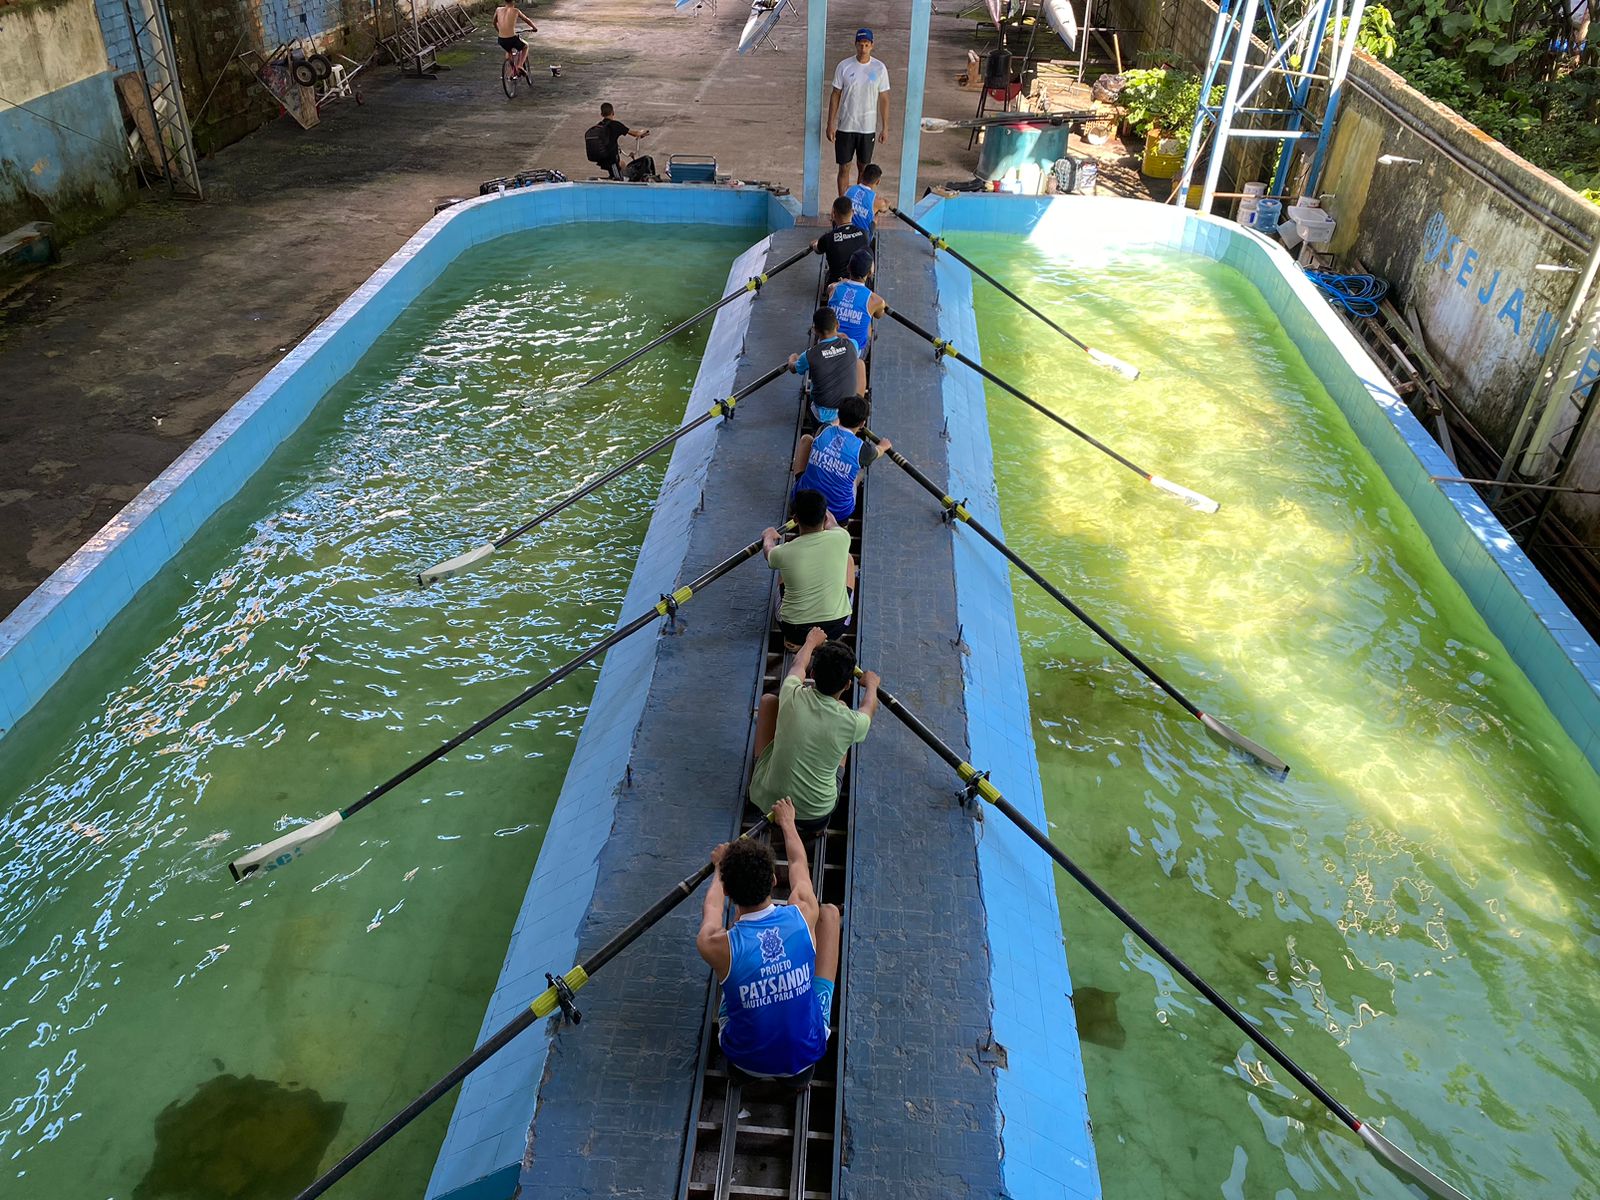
[[1099, 357], [958, 511], [754, 284], [558, 995], [284, 850], [944, 349], [465, 562], [978, 784]]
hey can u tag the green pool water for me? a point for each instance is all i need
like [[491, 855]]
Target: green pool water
[[1412, 914], [165, 1033]]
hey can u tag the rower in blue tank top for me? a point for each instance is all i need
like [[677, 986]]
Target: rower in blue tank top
[[864, 203], [831, 460], [776, 964], [855, 304]]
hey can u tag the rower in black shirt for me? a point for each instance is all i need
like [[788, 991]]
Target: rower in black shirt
[[842, 241]]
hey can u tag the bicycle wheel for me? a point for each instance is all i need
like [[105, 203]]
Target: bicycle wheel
[[508, 79]]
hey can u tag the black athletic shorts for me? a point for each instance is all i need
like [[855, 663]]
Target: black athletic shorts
[[853, 145], [512, 43], [795, 635]]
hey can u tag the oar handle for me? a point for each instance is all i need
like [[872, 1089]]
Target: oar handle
[[542, 1006], [946, 349]]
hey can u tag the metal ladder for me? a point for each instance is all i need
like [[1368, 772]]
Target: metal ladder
[[173, 153]]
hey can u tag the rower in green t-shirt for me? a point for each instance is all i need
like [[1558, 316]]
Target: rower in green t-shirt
[[803, 733], [817, 570]]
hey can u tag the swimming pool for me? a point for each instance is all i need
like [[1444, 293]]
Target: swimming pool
[[165, 1030], [1409, 913]]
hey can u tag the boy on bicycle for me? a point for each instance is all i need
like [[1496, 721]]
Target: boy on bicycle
[[505, 26]]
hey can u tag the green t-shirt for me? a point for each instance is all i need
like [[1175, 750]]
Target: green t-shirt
[[813, 567], [802, 762]]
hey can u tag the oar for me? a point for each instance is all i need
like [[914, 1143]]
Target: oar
[[943, 348], [940, 125], [753, 284], [978, 782], [1099, 357], [1220, 729], [292, 845], [464, 562], [557, 996]]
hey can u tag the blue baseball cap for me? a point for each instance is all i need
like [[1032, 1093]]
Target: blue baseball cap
[[864, 35]]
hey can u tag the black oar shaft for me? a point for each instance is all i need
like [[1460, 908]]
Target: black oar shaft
[[960, 512], [939, 243], [754, 285], [945, 348], [543, 1006], [993, 795], [721, 409], [565, 669]]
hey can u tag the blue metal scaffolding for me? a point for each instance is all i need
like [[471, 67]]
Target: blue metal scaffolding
[[1289, 49]]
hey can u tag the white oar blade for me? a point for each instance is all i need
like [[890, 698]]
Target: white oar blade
[[1408, 1166], [1238, 741], [285, 850], [456, 565], [1112, 363], [1190, 497], [936, 124]]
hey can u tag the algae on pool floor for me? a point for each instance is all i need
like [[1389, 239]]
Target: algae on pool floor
[[283, 664], [1411, 914]]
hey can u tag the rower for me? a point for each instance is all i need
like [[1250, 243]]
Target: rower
[[817, 570], [831, 460], [836, 370], [777, 963], [855, 303]]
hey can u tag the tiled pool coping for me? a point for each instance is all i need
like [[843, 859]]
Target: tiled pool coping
[[1541, 634], [41, 639]]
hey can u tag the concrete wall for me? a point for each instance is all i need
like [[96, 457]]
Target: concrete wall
[[61, 153]]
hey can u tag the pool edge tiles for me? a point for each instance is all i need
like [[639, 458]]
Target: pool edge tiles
[[487, 1139], [1544, 639], [1046, 1130], [63, 616]]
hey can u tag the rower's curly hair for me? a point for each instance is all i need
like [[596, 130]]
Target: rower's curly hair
[[747, 871]]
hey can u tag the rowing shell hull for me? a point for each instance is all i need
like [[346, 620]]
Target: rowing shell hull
[[1060, 17], [763, 18]]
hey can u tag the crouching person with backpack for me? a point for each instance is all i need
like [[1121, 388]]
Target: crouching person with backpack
[[601, 142]]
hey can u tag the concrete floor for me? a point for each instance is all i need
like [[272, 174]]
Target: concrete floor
[[114, 361]]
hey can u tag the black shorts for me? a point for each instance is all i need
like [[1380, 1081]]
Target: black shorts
[[853, 145], [795, 635], [512, 43]]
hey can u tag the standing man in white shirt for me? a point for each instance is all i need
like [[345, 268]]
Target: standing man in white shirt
[[858, 110]]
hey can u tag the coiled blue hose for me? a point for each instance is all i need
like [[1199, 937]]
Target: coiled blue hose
[[1358, 295]]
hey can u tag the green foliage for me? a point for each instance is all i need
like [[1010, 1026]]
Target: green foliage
[[1376, 35], [1491, 61], [1165, 97]]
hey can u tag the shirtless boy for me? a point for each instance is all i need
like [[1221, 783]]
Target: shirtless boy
[[505, 26]]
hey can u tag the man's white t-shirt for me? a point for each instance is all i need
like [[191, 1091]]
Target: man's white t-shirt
[[860, 83]]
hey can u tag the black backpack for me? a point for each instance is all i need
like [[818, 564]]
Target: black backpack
[[641, 169], [597, 144]]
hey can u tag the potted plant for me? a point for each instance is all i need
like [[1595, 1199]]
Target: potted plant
[[1159, 104]]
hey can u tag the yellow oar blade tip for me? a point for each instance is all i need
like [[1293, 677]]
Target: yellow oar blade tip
[[1189, 496], [1112, 363], [456, 565]]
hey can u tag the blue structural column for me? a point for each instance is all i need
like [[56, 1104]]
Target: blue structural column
[[816, 52], [916, 76]]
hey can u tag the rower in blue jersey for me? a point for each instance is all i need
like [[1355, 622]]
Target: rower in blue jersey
[[864, 202], [855, 303], [776, 963], [831, 460]]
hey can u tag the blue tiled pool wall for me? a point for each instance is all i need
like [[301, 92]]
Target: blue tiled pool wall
[[1045, 1131], [484, 1147], [66, 613], [1537, 629]]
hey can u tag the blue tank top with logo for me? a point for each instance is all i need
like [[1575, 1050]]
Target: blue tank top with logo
[[862, 201], [832, 469], [771, 1021], [849, 304]]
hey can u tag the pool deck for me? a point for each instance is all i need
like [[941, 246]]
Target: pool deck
[[960, 1069]]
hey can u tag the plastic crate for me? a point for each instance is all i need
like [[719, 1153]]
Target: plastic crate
[[692, 168]]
